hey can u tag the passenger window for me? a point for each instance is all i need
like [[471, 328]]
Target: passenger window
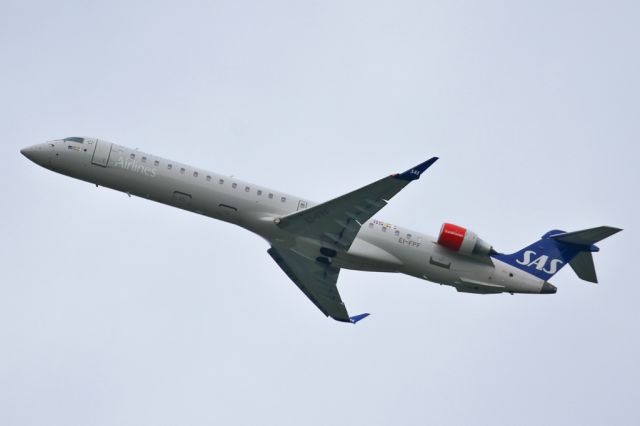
[[270, 195], [169, 166], [156, 163], [195, 174], [234, 185], [408, 236], [384, 228], [221, 181], [259, 191], [397, 233], [283, 199], [208, 178], [144, 159], [247, 189], [132, 156]]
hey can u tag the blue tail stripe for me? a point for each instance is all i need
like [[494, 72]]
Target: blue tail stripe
[[544, 258]]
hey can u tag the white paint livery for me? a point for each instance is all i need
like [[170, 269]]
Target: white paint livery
[[310, 242]]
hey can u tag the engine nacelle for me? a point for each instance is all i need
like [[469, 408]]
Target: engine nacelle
[[463, 241]]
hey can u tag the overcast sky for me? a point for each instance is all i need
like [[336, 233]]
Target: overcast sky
[[120, 311]]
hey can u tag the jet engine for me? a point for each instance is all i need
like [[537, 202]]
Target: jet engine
[[463, 241]]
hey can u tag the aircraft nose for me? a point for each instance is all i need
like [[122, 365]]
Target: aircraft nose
[[27, 152], [39, 154], [548, 288]]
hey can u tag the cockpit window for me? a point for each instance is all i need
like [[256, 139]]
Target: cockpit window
[[74, 139]]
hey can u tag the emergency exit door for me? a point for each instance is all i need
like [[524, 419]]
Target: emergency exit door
[[101, 153]]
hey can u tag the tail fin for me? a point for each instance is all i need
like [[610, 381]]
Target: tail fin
[[547, 256]]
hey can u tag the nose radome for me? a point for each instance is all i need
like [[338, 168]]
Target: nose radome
[[29, 152], [39, 154], [548, 288]]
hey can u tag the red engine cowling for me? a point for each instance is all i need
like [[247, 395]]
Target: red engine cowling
[[463, 241]]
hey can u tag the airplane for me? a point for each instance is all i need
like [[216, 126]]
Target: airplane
[[312, 242]]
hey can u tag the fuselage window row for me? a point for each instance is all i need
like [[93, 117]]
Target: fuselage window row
[[209, 178]]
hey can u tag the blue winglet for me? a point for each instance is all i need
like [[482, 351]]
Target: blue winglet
[[356, 318], [415, 172]]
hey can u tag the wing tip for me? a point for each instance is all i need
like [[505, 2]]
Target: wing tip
[[415, 172], [354, 319]]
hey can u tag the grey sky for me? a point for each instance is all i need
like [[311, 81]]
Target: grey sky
[[119, 311]]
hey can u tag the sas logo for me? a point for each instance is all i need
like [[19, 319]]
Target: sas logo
[[540, 262]]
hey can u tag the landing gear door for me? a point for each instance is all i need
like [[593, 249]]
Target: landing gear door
[[101, 153]]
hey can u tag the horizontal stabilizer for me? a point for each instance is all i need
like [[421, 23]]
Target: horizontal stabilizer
[[583, 266], [586, 237], [582, 243]]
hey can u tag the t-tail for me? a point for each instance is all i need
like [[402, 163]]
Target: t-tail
[[547, 256]]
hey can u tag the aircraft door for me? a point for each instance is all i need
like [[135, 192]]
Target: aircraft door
[[101, 153], [302, 205]]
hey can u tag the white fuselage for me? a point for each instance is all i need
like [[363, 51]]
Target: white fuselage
[[379, 246]]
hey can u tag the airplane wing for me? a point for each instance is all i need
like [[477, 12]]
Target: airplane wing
[[338, 221], [317, 281]]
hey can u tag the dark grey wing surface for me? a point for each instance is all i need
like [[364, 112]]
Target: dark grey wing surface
[[316, 280], [338, 221]]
